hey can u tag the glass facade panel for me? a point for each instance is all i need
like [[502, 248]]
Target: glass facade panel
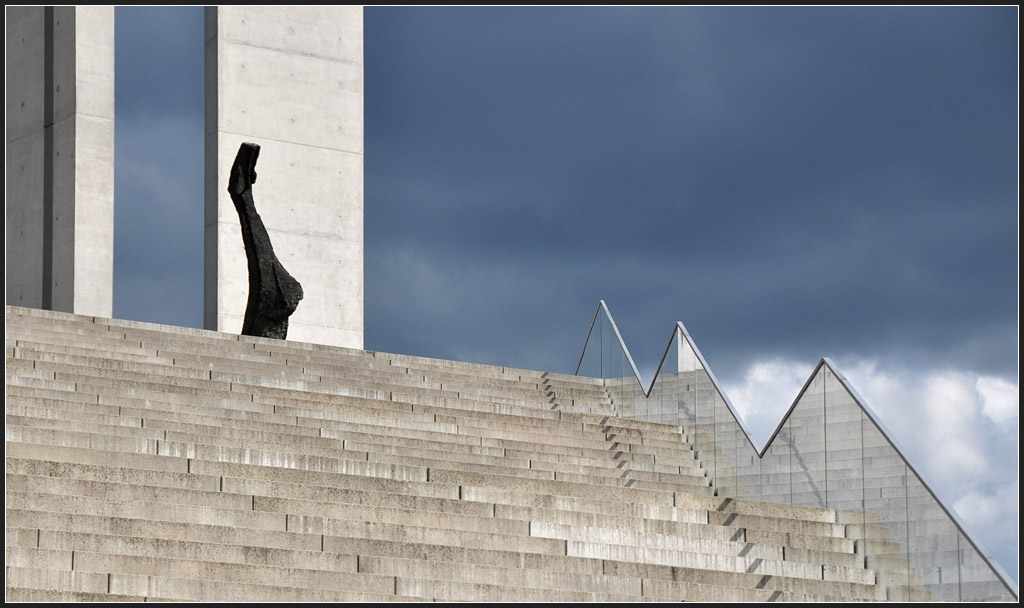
[[593, 351], [776, 482], [748, 467], [844, 457], [807, 435], [932, 547], [844, 450], [703, 435], [617, 373], [687, 387], [663, 403], [829, 452], [725, 447], [884, 538], [978, 583]]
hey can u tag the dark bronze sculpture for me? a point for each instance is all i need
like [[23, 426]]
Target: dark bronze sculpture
[[273, 293]]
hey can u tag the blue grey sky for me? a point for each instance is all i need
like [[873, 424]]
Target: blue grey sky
[[790, 183]]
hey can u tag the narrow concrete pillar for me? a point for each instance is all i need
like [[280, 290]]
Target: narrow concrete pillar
[[60, 158], [291, 80]]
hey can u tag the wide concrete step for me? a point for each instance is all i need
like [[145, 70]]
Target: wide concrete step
[[162, 588], [202, 570], [146, 462], [345, 417], [307, 403], [391, 419], [25, 474], [665, 578], [314, 450], [274, 372], [23, 594], [529, 396], [165, 336]]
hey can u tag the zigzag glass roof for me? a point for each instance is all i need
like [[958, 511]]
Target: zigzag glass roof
[[830, 450]]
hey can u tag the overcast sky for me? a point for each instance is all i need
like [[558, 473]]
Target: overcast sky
[[790, 183]]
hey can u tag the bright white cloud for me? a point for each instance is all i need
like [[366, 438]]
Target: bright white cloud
[[949, 416], [766, 392], [978, 509], [995, 518], [999, 401], [957, 428]]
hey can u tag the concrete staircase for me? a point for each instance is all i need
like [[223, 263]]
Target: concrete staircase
[[163, 463]]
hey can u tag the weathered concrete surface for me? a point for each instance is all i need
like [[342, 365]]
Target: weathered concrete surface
[[290, 79], [60, 158], [180, 464]]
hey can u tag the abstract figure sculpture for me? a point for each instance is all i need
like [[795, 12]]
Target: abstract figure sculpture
[[273, 293]]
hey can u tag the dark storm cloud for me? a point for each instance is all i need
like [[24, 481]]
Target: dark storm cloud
[[158, 224], [785, 180], [157, 69]]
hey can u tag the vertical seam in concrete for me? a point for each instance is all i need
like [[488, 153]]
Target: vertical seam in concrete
[[863, 501], [48, 52], [906, 507], [824, 431], [789, 435], [959, 573]]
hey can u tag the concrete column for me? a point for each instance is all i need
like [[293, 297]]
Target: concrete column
[[60, 158], [291, 80]]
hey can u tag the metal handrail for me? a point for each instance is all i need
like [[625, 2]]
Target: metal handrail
[[681, 329]]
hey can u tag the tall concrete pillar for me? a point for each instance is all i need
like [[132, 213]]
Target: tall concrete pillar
[[60, 158], [291, 80]]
